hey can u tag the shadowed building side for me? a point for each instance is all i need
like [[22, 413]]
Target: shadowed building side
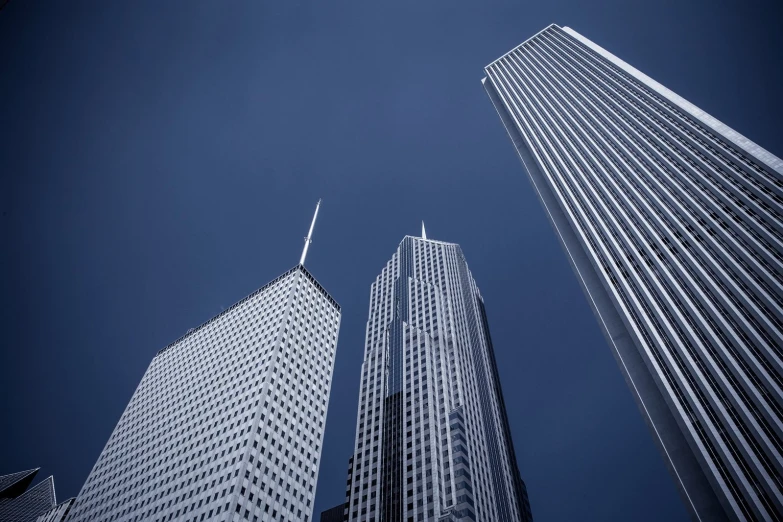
[[335, 514], [227, 422]]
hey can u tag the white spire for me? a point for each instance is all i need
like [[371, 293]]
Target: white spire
[[309, 237], [423, 232]]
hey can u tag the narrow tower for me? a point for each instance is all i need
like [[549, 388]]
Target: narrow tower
[[432, 437], [227, 422], [673, 223]]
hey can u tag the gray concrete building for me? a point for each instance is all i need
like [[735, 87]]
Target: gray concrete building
[[432, 436], [227, 423], [673, 223]]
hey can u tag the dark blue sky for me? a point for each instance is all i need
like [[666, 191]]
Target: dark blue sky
[[161, 160]]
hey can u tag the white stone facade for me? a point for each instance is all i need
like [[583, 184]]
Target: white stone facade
[[227, 423]]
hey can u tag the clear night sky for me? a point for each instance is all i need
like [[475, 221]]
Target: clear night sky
[[161, 160]]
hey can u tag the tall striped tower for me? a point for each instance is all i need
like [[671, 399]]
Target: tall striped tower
[[673, 223]]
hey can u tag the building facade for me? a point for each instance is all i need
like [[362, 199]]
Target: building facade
[[432, 437], [58, 513], [227, 423], [20, 504], [673, 224]]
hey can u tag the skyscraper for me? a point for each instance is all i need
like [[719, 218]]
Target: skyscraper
[[227, 422], [672, 223], [432, 437]]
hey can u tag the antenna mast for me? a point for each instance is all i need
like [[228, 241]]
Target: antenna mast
[[309, 237]]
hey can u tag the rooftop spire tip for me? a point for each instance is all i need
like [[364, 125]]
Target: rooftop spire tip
[[309, 238]]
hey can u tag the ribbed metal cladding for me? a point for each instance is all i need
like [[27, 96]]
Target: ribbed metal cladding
[[679, 220]]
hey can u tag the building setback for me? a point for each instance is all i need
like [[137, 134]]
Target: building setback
[[432, 437], [227, 422], [673, 224]]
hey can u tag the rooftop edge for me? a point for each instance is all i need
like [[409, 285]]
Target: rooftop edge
[[250, 296]]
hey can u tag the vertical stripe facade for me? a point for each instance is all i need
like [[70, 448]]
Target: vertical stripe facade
[[674, 225]]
